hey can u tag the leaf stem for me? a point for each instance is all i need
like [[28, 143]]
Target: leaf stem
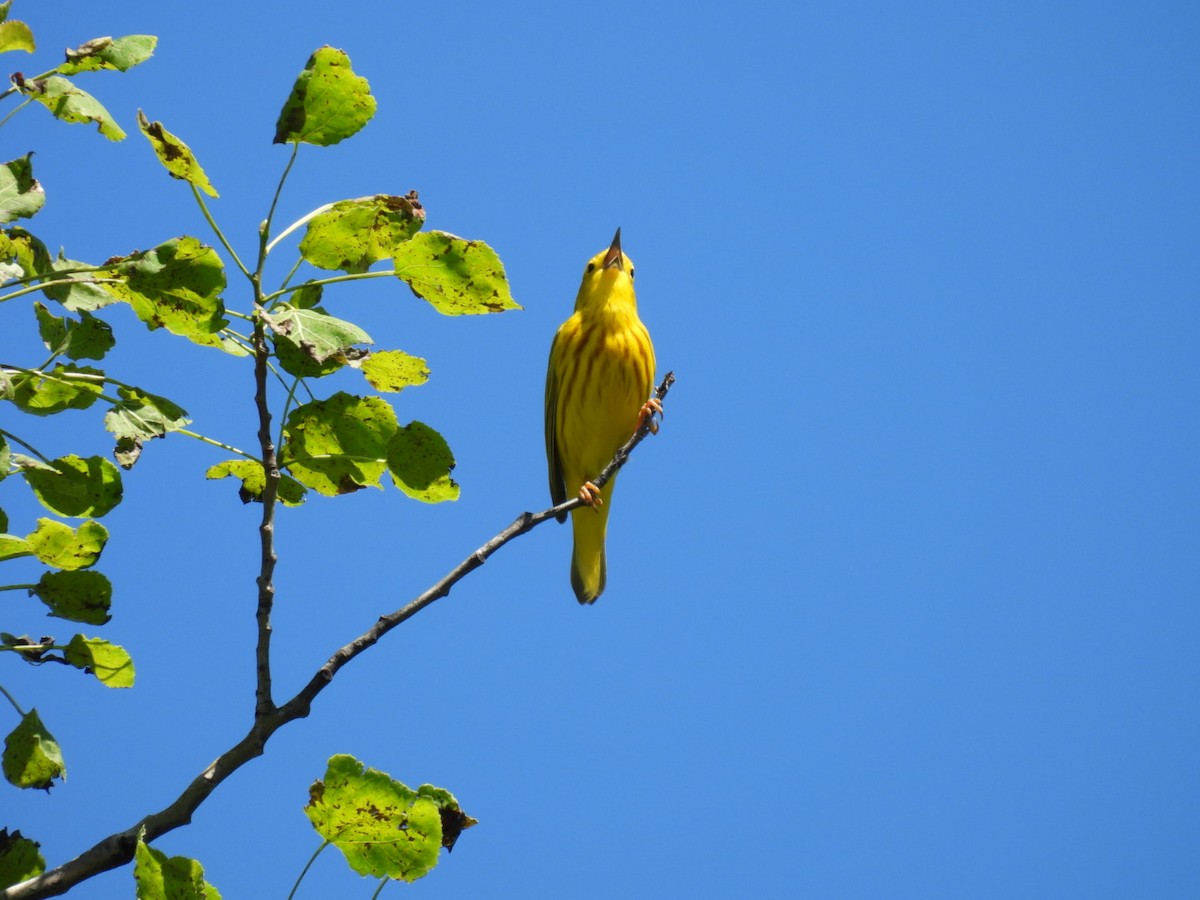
[[32, 449], [13, 701], [302, 221], [308, 865], [212, 223], [336, 279]]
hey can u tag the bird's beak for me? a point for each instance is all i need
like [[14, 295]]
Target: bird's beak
[[613, 257]]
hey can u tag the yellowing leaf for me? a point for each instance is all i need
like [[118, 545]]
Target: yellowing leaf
[[420, 462], [339, 445], [458, 277], [175, 155], [108, 662], [353, 234], [328, 102]]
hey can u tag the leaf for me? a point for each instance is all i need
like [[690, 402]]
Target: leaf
[[15, 35], [420, 461], [457, 277], [71, 104], [353, 234], [20, 858], [74, 486], [382, 827], [175, 155], [47, 393], [108, 662], [454, 820], [140, 415], [83, 292], [85, 338], [13, 547], [20, 194], [254, 480], [392, 370], [328, 102], [339, 445], [311, 342], [58, 544], [32, 758], [176, 878], [176, 286], [118, 54], [76, 596]]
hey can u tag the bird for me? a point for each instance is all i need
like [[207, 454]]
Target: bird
[[598, 385]]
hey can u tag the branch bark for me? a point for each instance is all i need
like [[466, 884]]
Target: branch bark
[[118, 849]]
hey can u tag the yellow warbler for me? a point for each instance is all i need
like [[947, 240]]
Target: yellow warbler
[[600, 375]]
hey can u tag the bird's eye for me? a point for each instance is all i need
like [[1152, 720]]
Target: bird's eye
[[631, 274], [591, 267]]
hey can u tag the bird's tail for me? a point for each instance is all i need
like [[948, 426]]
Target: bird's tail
[[587, 561]]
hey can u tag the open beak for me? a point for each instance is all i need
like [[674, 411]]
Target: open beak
[[613, 257]]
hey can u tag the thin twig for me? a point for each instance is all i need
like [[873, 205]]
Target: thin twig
[[117, 849]]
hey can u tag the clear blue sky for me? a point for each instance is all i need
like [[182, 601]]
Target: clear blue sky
[[903, 600]]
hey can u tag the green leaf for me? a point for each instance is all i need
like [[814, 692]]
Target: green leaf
[[176, 878], [339, 445], [175, 155], [307, 295], [83, 292], [352, 234], [20, 194], [382, 827], [141, 415], [20, 858], [15, 35], [254, 480], [71, 104], [176, 286], [58, 544], [85, 338], [13, 547], [456, 276], [328, 102], [76, 596], [315, 336], [63, 387], [392, 370], [118, 54], [74, 486], [32, 758], [420, 461], [108, 662]]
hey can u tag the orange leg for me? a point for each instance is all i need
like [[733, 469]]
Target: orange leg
[[649, 409], [590, 495]]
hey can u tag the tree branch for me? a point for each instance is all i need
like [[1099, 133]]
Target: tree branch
[[118, 849]]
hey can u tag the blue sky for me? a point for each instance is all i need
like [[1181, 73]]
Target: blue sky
[[903, 599]]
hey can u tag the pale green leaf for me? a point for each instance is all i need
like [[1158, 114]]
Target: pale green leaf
[[108, 662], [175, 155], [32, 757], [76, 596], [420, 462], [118, 54], [20, 858], [315, 333], [78, 291], [328, 102], [58, 544], [71, 104], [456, 276], [254, 481], [20, 194], [353, 234], [383, 828], [160, 877], [141, 415], [63, 387], [15, 35], [339, 445], [392, 370], [74, 486], [13, 547]]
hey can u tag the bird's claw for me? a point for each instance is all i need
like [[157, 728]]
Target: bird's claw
[[651, 408], [590, 495]]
